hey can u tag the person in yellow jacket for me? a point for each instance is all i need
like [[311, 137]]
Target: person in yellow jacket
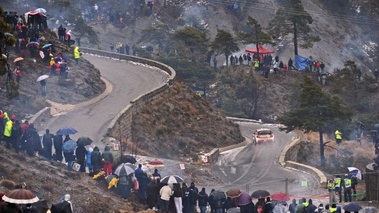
[[77, 54], [7, 130], [256, 65], [338, 187], [338, 135], [332, 193]]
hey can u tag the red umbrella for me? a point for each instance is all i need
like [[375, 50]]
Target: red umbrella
[[1, 198], [155, 163], [280, 196], [20, 196], [262, 50]]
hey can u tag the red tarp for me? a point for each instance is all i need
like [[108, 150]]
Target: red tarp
[[262, 50]]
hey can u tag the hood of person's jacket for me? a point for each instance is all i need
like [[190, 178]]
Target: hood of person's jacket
[[6, 116], [67, 197], [96, 149], [107, 148], [294, 201], [202, 194]]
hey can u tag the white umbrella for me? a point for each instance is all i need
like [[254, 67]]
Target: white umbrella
[[355, 172], [124, 169], [42, 77], [40, 10], [172, 179]]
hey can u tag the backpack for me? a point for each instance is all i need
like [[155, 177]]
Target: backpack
[[260, 209], [15, 129]]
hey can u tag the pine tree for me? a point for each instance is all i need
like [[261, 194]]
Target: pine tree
[[254, 34], [6, 40], [318, 111], [294, 19], [224, 43]]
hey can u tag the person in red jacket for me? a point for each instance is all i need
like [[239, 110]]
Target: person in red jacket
[[285, 69], [17, 73]]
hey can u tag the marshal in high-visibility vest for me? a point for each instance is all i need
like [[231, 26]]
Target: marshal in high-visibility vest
[[337, 182], [347, 182], [330, 184], [338, 135], [256, 64]]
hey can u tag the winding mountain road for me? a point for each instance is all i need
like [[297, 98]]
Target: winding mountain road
[[254, 167], [129, 80], [249, 168]]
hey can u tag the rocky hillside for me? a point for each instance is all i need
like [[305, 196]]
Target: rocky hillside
[[182, 124], [83, 82]]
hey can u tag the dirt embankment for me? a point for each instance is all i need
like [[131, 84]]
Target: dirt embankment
[[338, 157], [180, 123]]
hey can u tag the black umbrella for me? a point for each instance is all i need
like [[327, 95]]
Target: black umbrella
[[218, 195], [129, 159], [352, 207], [260, 194], [63, 207], [84, 141]]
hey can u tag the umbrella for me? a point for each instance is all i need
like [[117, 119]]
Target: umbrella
[[233, 210], [155, 163], [42, 77], [233, 193], [355, 172], [18, 59], [84, 141], [260, 194], [69, 146], [46, 45], [129, 159], [369, 209], [172, 179], [1, 200], [40, 10], [243, 199], [218, 195], [36, 44], [352, 207], [20, 196], [124, 169], [66, 131], [261, 49], [63, 207], [280, 196]]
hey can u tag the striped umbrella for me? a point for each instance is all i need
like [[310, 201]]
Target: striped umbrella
[[124, 169], [20, 196], [172, 179]]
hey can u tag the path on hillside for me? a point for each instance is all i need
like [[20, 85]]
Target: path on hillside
[[129, 81], [256, 167]]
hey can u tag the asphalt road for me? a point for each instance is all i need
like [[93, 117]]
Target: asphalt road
[[129, 80], [248, 168], [255, 167]]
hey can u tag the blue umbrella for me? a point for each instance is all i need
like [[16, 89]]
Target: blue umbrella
[[69, 146], [40, 10], [66, 131], [46, 45]]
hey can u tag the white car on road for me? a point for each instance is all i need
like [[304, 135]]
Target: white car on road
[[263, 135]]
